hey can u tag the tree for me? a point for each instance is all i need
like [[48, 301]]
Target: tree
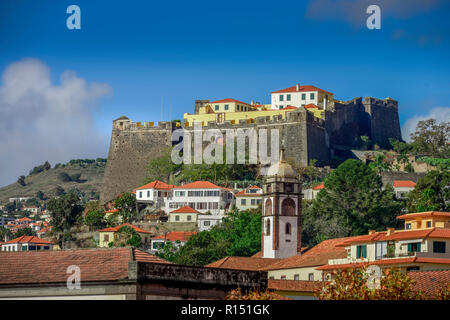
[[58, 191], [432, 138], [380, 164], [169, 250], [253, 294], [352, 202], [25, 232], [161, 167], [75, 177], [126, 203], [64, 212], [127, 236], [4, 232], [21, 181], [64, 177], [431, 193], [40, 195], [95, 219]]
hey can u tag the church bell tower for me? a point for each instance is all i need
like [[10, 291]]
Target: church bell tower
[[281, 211]]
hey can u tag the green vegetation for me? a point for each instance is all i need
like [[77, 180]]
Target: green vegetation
[[41, 168], [24, 232], [238, 235], [21, 181], [440, 163], [352, 203], [126, 236], [126, 204], [432, 193]]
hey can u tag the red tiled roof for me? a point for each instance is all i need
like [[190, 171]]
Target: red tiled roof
[[230, 100], [143, 256], [319, 187], [115, 229], [311, 106], [242, 192], [156, 185], [425, 214], [24, 219], [112, 211], [243, 263], [361, 239], [316, 256], [102, 264], [185, 209], [293, 285], [45, 229], [430, 281], [404, 184], [199, 185], [29, 239], [176, 235], [290, 108], [301, 88]]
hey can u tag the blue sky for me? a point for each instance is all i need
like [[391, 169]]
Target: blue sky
[[176, 52]]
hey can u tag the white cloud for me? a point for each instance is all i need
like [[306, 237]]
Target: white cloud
[[441, 114], [42, 121]]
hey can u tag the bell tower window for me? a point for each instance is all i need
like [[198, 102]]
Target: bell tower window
[[288, 228], [267, 227]]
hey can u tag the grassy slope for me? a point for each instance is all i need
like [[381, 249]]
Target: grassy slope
[[47, 181]]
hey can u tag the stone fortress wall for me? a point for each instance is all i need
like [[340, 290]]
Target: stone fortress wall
[[305, 137]]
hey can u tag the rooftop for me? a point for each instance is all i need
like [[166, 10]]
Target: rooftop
[[425, 215], [185, 209], [115, 229], [243, 263], [301, 89], [404, 184], [29, 239], [156, 185], [199, 185], [176, 236]]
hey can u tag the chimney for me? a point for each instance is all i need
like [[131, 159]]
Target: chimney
[[372, 231], [390, 231], [297, 88]]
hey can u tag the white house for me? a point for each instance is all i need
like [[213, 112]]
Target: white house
[[32, 209], [403, 187], [27, 243], [207, 221], [203, 196], [300, 96], [156, 193], [311, 193], [184, 214], [178, 239], [249, 198]]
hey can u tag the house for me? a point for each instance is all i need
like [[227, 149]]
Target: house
[[402, 188], [203, 196], [228, 105], [301, 96], [19, 199], [27, 243], [178, 238], [207, 221], [32, 209], [156, 193], [249, 198], [44, 231], [108, 235], [184, 214], [114, 274], [311, 193], [422, 245]]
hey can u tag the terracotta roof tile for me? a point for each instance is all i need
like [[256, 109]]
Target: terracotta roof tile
[[243, 263], [185, 209], [319, 187], [143, 256], [301, 89], [29, 239], [425, 214], [293, 285], [404, 184], [430, 281], [230, 100], [176, 235], [199, 185], [115, 229], [311, 106], [156, 185]]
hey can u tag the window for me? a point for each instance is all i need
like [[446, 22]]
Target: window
[[311, 96], [272, 278], [408, 226], [288, 97], [140, 194], [311, 276], [177, 218], [258, 201], [303, 96], [281, 97], [414, 247], [268, 227], [283, 277], [243, 202], [288, 187], [361, 251], [207, 223], [226, 107], [288, 228], [428, 224], [253, 202], [438, 246], [189, 218], [296, 277], [106, 238], [148, 194], [216, 107], [413, 269]]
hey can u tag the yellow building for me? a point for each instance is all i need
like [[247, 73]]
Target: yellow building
[[184, 214], [108, 235]]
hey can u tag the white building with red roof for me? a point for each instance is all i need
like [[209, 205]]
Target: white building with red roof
[[403, 187], [311, 193], [108, 235], [249, 198], [156, 193], [27, 243], [301, 96], [177, 238], [184, 214]]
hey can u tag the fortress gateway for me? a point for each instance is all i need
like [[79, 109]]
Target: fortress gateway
[[312, 125]]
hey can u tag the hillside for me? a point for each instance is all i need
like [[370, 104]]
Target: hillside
[[90, 181]]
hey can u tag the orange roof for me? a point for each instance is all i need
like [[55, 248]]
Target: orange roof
[[230, 100], [24, 219], [404, 184], [45, 229], [290, 108], [112, 211], [29, 239], [243, 192], [156, 185], [185, 209], [243, 263], [115, 229], [143, 256], [199, 185], [311, 106], [301, 88], [430, 281], [425, 214], [319, 187], [361, 239], [176, 235], [293, 285]]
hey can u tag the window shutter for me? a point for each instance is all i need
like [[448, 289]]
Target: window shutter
[[409, 247], [364, 251], [358, 251], [418, 247]]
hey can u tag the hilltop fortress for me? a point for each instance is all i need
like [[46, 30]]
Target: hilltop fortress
[[312, 125]]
